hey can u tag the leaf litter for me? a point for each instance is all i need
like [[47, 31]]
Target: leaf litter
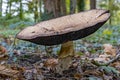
[[41, 66]]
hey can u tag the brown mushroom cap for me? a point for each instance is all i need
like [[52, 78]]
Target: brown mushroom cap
[[66, 28]]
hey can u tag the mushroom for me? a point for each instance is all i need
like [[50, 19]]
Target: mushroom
[[65, 29]]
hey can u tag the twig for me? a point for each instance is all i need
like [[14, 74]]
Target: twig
[[12, 47]]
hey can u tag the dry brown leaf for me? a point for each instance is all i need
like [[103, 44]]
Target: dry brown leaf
[[75, 64], [109, 52], [78, 76], [104, 56], [8, 72], [63, 64], [3, 57], [109, 49], [51, 63], [2, 50], [20, 69], [92, 72], [102, 59], [3, 53], [116, 65]]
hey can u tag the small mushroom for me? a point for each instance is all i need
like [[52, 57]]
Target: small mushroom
[[65, 30]]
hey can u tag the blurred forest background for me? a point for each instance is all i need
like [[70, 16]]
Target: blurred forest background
[[18, 14]]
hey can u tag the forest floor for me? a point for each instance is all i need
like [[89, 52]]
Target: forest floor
[[97, 58], [39, 65]]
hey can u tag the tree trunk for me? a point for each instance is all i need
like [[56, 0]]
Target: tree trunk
[[1, 1], [36, 10], [40, 8], [63, 7], [110, 7], [92, 4], [81, 5], [10, 4], [72, 6], [52, 7], [9, 7], [21, 10]]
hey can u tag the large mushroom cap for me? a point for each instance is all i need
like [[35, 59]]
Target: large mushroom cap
[[66, 28]]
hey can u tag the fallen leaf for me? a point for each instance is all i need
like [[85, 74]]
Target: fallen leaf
[[17, 52], [102, 59], [8, 72], [78, 76], [2, 50], [51, 63], [75, 64], [3, 53], [92, 72], [109, 49], [116, 65]]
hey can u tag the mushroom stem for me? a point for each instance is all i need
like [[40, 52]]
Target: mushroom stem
[[67, 49], [65, 56]]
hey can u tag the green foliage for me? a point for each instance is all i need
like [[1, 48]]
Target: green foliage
[[107, 34], [20, 25], [15, 22], [114, 7], [81, 5], [7, 33], [68, 5], [109, 70], [46, 16]]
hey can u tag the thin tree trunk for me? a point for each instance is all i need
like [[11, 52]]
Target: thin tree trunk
[[92, 4], [48, 10], [40, 11], [21, 10], [72, 6], [1, 1], [110, 6], [10, 4], [36, 10], [57, 9], [63, 7], [9, 7], [81, 5]]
